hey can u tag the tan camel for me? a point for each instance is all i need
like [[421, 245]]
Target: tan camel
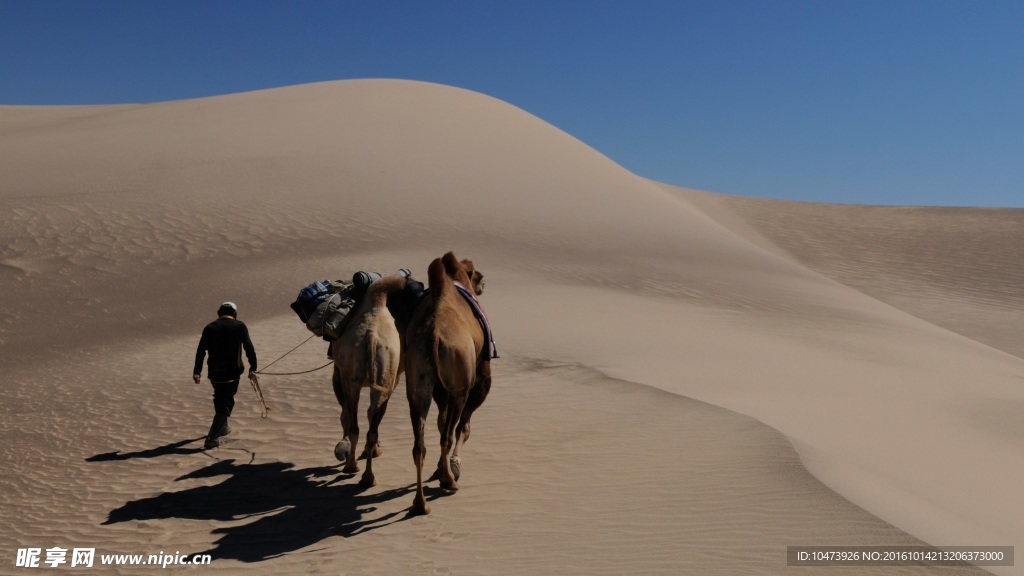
[[367, 355], [447, 361]]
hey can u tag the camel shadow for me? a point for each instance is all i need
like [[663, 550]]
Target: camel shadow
[[165, 450], [292, 508]]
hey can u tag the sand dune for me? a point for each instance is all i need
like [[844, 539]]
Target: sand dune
[[690, 382], [958, 268]]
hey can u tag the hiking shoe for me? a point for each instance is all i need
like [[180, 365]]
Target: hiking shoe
[[212, 443]]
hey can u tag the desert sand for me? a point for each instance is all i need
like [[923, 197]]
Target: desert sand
[[688, 382]]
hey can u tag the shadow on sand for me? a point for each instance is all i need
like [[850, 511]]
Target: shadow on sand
[[293, 508], [165, 450]]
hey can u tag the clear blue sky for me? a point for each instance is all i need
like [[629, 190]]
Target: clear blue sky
[[859, 101]]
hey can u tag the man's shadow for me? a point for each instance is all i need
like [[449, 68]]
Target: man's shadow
[[165, 450], [292, 508]]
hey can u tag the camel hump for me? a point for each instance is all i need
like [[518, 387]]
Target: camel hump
[[455, 269], [451, 263], [437, 279]]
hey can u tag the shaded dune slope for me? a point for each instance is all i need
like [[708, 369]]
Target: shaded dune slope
[[959, 268]]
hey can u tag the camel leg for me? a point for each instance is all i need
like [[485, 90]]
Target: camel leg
[[455, 408], [373, 414], [441, 399], [477, 395], [343, 447], [350, 426], [339, 391], [377, 450], [459, 395], [418, 410]]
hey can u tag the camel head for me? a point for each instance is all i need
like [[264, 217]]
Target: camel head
[[463, 272], [475, 277]]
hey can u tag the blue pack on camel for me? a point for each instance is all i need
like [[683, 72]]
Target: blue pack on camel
[[309, 298]]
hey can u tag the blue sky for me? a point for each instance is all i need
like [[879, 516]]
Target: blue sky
[[854, 101]]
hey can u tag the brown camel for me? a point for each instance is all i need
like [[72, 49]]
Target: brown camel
[[447, 360], [367, 355]]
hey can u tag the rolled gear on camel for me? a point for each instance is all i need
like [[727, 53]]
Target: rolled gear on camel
[[361, 281], [323, 305], [326, 320]]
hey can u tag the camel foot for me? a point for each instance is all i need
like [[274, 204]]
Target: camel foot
[[350, 468], [367, 481], [342, 450], [377, 452], [419, 509], [456, 465], [451, 486]]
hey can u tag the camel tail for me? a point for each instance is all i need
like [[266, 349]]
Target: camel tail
[[436, 350], [374, 370]]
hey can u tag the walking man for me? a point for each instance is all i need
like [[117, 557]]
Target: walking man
[[224, 339]]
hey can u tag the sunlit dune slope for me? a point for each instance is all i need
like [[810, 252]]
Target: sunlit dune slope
[[136, 211]]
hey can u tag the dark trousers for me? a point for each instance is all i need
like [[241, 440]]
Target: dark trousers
[[223, 403]]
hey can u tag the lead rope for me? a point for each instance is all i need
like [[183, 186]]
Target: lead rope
[[255, 380], [292, 373]]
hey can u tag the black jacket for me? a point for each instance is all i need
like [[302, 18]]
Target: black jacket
[[224, 339]]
